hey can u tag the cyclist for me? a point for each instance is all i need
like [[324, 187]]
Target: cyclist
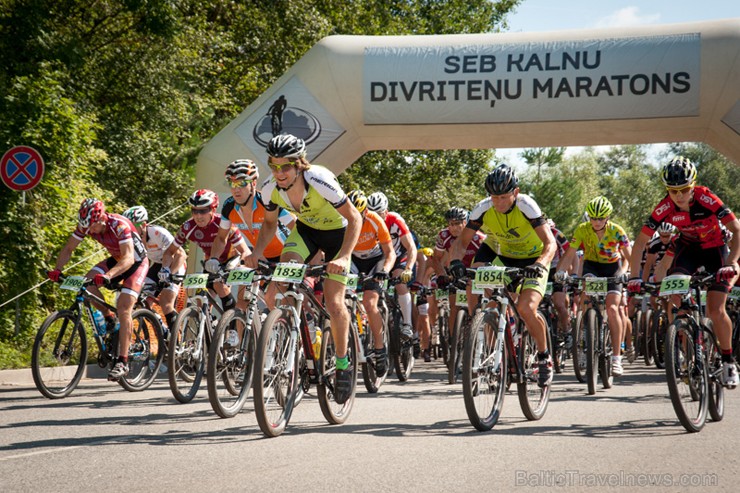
[[456, 218], [606, 252], [517, 236], [656, 249], [202, 229], [373, 255], [406, 254], [127, 264], [559, 297], [326, 220], [424, 271], [157, 240], [698, 214], [245, 209]]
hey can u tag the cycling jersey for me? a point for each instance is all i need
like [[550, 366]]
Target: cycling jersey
[[510, 234], [605, 250], [372, 234], [398, 229], [118, 231], [701, 224], [233, 213], [562, 243], [157, 240], [203, 237], [657, 248], [321, 199], [445, 240]]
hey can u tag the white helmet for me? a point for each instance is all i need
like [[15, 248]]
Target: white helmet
[[377, 202], [137, 214], [665, 228], [204, 198]]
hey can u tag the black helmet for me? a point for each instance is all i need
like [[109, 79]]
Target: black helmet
[[501, 180], [286, 145], [680, 172], [242, 169], [456, 214]]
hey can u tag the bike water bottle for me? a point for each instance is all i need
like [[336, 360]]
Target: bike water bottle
[[99, 320], [317, 343]]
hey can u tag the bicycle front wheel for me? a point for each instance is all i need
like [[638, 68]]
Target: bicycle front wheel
[[660, 323], [369, 375], [533, 399], [186, 359], [275, 373], [59, 354], [605, 358], [580, 348], [716, 397], [231, 367], [334, 412], [402, 352], [454, 369], [687, 376], [591, 327], [146, 351], [647, 338]]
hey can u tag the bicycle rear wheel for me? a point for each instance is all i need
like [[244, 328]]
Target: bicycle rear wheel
[[483, 372], [146, 351], [660, 324], [590, 327], [533, 399], [716, 397], [275, 375], [687, 376], [334, 412], [454, 369], [579, 351], [231, 367], [59, 354], [647, 338], [402, 352], [443, 332], [605, 359], [369, 376], [186, 359]]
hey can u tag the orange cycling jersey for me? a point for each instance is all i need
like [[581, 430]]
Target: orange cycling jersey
[[234, 214], [373, 233]]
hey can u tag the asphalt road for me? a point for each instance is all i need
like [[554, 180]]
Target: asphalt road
[[413, 436]]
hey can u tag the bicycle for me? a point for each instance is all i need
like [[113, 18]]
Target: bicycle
[[496, 350], [232, 365], [370, 376], [440, 347], [400, 352], [559, 351], [692, 356], [457, 337], [59, 352], [192, 334], [284, 339]]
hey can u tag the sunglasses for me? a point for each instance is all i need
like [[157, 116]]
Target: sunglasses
[[239, 183], [683, 190], [200, 211], [456, 223], [284, 168], [597, 218]]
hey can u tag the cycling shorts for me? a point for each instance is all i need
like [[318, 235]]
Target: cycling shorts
[[599, 269], [688, 257], [132, 280]]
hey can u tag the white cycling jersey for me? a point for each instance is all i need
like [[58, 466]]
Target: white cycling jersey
[[157, 240]]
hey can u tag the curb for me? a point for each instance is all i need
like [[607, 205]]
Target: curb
[[24, 378]]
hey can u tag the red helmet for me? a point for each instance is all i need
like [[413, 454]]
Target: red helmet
[[91, 211], [204, 198]]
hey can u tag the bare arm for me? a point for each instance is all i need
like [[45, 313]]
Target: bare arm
[[126, 261], [341, 263], [219, 242], [544, 233], [411, 254], [66, 252], [637, 249], [390, 256]]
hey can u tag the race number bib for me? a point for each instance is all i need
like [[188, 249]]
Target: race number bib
[[73, 283], [675, 284], [734, 294], [195, 281], [490, 277], [239, 277], [289, 272], [461, 299], [595, 286], [352, 282], [440, 293]]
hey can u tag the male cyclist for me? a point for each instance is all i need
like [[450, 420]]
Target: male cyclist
[[245, 209], [559, 297], [202, 229], [127, 264], [517, 236], [405, 248], [373, 255], [698, 214], [327, 221], [157, 240], [606, 252]]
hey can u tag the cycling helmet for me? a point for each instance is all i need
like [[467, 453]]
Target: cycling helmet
[[501, 180], [358, 199], [456, 214], [286, 145], [242, 169], [599, 208], [665, 228], [203, 198], [377, 202], [91, 211], [137, 214], [680, 172]]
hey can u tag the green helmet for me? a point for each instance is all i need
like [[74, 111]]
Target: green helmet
[[599, 208]]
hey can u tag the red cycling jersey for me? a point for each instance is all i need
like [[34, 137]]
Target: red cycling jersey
[[118, 231], [700, 224], [445, 239], [203, 237], [397, 228]]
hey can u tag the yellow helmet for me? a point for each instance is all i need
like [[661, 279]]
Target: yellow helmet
[[358, 199]]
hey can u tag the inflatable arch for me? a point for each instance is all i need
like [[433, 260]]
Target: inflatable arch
[[353, 94]]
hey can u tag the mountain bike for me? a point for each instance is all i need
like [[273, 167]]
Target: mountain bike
[[366, 338], [440, 335], [457, 338], [693, 361], [232, 348], [495, 350], [284, 339], [59, 352], [192, 334], [558, 350], [400, 352]]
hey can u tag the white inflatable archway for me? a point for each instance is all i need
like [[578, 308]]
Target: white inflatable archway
[[353, 94]]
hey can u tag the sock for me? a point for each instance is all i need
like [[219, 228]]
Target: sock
[[342, 363], [404, 302], [727, 356], [170, 319], [544, 355]]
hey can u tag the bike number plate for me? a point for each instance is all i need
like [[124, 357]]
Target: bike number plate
[[440, 294], [675, 284], [490, 277], [352, 280], [734, 294], [73, 283], [548, 289], [195, 281], [595, 286], [461, 299], [289, 272], [240, 277]]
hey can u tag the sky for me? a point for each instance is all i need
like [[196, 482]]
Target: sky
[[559, 15]]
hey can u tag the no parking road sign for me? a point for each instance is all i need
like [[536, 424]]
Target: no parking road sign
[[21, 168]]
